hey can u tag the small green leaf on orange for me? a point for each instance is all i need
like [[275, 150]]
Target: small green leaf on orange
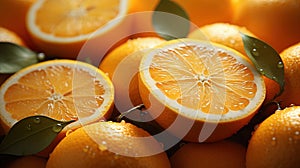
[[31, 135], [266, 60], [14, 57], [170, 20]]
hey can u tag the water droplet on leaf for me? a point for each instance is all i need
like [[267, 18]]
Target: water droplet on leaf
[[280, 64], [37, 120], [57, 128], [255, 52], [28, 127]]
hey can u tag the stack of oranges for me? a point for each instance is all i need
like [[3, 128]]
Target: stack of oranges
[[201, 90]]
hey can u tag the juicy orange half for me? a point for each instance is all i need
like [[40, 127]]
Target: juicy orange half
[[187, 83], [61, 89], [61, 28]]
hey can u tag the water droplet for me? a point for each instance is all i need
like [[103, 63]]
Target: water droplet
[[241, 104], [57, 128], [255, 52], [102, 147], [86, 149], [297, 133], [28, 127], [280, 65], [261, 71], [37, 120], [273, 142], [292, 105], [274, 77], [232, 41]]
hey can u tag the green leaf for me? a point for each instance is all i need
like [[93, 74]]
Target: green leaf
[[14, 57], [170, 20], [266, 60], [31, 135]]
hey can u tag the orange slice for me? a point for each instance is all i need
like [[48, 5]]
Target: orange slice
[[61, 89], [61, 28], [198, 90]]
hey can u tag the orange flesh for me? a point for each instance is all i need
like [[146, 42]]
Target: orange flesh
[[200, 77], [60, 92], [73, 18]]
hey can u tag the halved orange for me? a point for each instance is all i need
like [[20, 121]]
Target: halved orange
[[200, 91], [61, 28], [61, 89]]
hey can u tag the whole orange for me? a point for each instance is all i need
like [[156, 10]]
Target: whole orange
[[121, 65], [213, 155], [274, 21], [109, 145], [275, 143]]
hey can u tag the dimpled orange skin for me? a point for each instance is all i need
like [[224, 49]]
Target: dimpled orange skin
[[79, 149], [276, 142]]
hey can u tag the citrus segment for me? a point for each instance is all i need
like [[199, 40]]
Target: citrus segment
[[61, 89], [195, 79]]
